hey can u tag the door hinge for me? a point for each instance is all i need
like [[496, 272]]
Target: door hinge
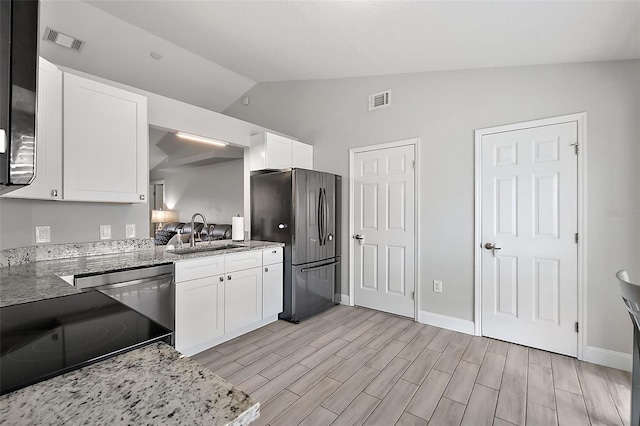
[[577, 147], [414, 164], [413, 295], [577, 238], [577, 326]]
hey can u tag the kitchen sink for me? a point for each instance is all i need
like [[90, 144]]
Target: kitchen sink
[[200, 249]]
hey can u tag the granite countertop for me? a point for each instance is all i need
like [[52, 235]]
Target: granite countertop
[[41, 280], [150, 385]]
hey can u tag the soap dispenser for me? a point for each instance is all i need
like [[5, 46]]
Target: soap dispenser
[[179, 243]]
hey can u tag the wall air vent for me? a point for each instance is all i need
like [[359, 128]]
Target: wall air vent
[[62, 39], [379, 100]]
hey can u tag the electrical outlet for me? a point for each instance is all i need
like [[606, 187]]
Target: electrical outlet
[[437, 286], [43, 234], [130, 230], [105, 232]]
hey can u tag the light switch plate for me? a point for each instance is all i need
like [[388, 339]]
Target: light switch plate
[[43, 234], [130, 230], [105, 232]]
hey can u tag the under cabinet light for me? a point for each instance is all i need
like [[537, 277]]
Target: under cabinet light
[[197, 138]]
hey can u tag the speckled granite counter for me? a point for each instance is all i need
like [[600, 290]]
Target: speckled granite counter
[[151, 385], [41, 280]]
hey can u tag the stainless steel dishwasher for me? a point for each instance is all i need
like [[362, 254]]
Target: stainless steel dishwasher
[[149, 290]]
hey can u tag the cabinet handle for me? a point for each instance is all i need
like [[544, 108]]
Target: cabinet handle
[[266, 269], [142, 197], [221, 279], [274, 252], [54, 192], [228, 277]]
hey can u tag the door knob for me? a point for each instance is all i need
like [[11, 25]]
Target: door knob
[[358, 237], [491, 246]]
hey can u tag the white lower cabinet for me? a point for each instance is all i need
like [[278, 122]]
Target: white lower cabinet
[[272, 281], [199, 311], [242, 298], [217, 300]]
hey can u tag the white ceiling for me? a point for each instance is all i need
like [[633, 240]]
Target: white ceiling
[[216, 50], [119, 51]]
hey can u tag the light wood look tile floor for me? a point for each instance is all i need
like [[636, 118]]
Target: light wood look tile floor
[[354, 366]]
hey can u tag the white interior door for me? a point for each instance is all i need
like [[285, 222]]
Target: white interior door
[[529, 213], [384, 229]]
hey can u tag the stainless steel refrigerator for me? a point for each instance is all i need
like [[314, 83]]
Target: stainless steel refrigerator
[[301, 208]]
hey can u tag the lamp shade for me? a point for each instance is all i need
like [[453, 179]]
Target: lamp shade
[[164, 216]]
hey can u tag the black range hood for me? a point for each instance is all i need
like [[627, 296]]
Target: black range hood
[[18, 81]]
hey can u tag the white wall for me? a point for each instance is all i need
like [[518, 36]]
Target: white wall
[[79, 222], [70, 222], [217, 191], [443, 109]]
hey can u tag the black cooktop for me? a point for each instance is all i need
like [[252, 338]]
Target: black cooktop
[[44, 339]]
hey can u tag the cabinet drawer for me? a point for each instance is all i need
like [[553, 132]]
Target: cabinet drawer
[[240, 261], [187, 270], [271, 256]]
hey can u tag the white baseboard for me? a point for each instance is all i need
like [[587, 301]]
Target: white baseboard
[[345, 299], [443, 321], [613, 359]]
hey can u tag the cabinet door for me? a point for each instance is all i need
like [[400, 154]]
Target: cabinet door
[[242, 298], [277, 152], [272, 281], [47, 184], [302, 155], [105, 143], [199, 311]]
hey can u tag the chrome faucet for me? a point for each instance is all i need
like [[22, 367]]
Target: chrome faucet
[[192, 240]]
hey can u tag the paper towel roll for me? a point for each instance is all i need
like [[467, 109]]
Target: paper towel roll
[[237, 228]]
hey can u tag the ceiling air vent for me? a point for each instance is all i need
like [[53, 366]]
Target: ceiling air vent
[[62, 39], [379, 100]]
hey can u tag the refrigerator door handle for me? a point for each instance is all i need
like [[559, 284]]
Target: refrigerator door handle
[[320, 216], [326, 216], [315, 268]]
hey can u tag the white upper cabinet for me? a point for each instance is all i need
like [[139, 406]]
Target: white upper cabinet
[[269, 151], [302, 155], [274, 152], [47, 184], [105, 143]]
